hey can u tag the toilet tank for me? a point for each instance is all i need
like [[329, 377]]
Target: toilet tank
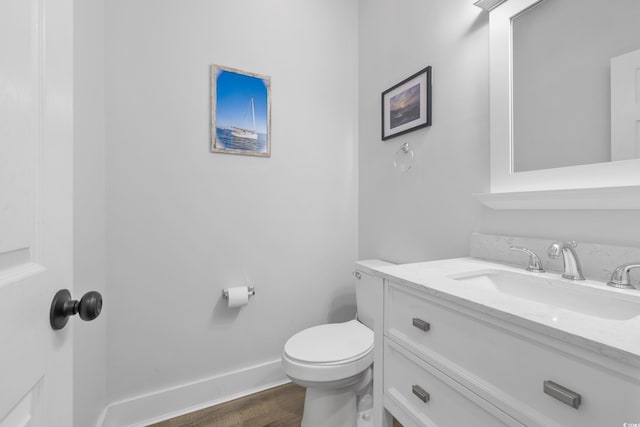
[[369, 290]]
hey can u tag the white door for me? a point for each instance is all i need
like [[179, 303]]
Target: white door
[[36, 170], [625, 106]]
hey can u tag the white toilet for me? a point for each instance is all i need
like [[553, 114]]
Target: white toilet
[[333, 362]]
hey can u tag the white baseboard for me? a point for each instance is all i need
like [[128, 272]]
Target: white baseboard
[[179, 400]]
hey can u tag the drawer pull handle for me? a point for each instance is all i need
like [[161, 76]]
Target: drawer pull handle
[[421, 324], [421, 393], [563, 394]]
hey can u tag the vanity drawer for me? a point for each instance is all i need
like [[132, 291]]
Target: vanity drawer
[[507, 369], [419, 395]]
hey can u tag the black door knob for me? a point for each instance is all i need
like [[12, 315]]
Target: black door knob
[[62, 306]]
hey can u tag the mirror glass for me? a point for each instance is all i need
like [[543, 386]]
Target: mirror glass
[[575, 83]]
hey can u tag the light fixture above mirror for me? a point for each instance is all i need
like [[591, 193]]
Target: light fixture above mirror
[[488, 4]]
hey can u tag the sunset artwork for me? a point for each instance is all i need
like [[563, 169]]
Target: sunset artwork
[[407, 105]]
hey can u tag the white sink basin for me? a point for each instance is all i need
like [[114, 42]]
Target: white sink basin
[[576, 297]]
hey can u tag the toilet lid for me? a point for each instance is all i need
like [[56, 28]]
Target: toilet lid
[[331, 343]]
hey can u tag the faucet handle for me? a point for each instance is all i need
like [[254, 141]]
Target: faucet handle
[[535, 265], [620, 276]]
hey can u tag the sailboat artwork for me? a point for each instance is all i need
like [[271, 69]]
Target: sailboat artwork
[[246, 133], [241, 112]]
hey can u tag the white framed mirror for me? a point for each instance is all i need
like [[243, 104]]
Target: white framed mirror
[[545, 144]]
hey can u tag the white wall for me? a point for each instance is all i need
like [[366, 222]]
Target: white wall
[[184, 223], [428, 212], [89, 209]]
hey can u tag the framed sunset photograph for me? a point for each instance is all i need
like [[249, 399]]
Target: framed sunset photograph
[[407, 105], [240, 112]]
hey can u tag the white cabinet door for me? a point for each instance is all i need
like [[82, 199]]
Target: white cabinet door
[[36, 169]]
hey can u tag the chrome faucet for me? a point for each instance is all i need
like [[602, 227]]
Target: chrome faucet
[[572, 268], [620, 276]]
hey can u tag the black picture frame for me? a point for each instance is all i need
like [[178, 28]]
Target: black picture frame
[[406, 106]]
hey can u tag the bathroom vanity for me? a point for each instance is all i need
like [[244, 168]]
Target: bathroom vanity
[[473, 342]]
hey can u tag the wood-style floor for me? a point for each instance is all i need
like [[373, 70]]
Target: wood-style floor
[[276, 407]]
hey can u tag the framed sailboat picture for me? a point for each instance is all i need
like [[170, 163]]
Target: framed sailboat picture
[[240, 112]]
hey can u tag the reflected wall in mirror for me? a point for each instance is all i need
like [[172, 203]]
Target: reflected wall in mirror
[[575, 83]]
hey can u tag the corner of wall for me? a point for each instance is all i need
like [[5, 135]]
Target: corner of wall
[[89, 350]]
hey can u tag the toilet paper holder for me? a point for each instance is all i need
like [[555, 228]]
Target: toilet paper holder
[[250, 290]]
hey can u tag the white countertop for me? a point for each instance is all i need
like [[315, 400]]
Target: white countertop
[[619, 339]]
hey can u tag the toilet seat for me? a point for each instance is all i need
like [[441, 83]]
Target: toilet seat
[[325, 353]]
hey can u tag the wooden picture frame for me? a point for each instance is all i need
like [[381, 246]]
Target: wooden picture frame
[[407, 105], [240, 112]]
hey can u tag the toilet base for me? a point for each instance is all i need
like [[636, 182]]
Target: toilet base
[[335, 408]]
